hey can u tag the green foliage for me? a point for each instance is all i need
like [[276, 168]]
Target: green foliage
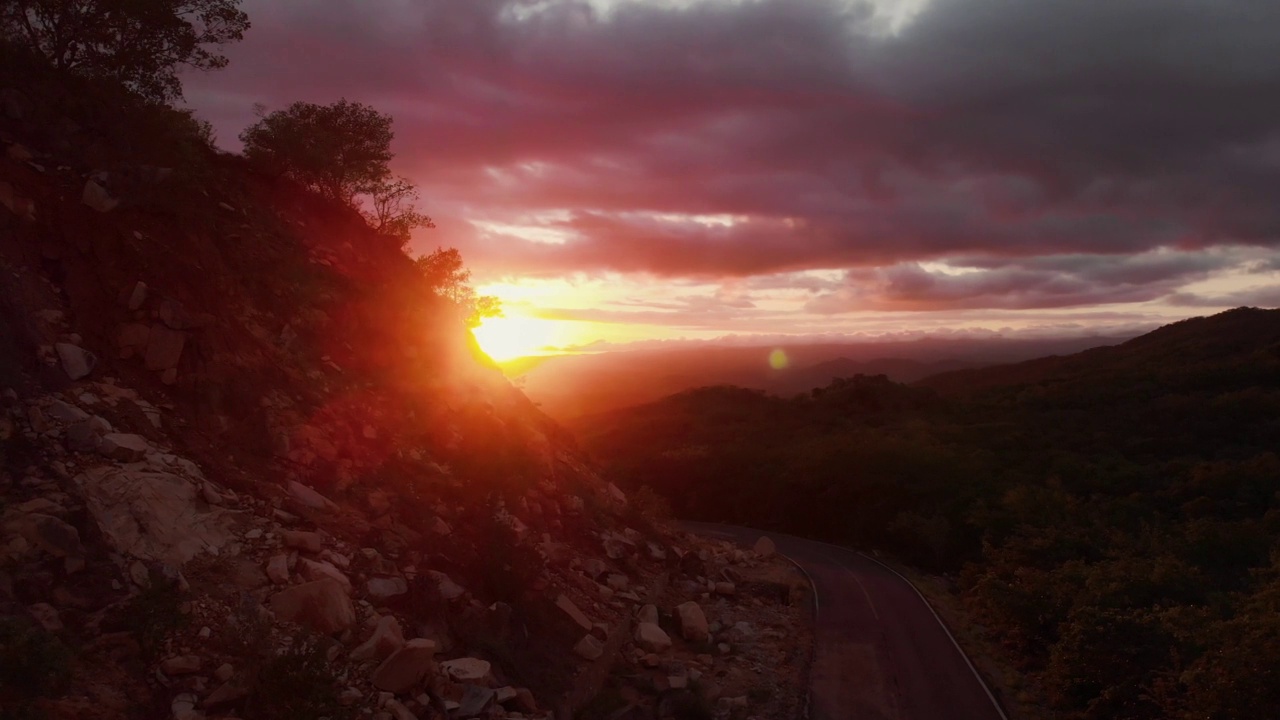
[[140, 43], [338, 150], [297, 684], [33, 662], [1112, 516]]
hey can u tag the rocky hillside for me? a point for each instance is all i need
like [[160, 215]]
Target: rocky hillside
[[252, 466]]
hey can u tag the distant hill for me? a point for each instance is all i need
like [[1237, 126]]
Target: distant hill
[[1111, 516], [574, 386]]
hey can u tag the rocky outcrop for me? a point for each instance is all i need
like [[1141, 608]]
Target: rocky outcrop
[[153, 515], [322, 605]]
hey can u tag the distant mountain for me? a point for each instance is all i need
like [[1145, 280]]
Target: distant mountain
[[573, 386], [1110, 517], [1230, 348]]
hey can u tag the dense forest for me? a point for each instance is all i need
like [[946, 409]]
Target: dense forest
[[1113, 517]]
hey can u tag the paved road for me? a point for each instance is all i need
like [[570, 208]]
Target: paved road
[[881, 652]]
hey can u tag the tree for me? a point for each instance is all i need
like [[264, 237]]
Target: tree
[[140, 43], [394, 209], [448, 278], [339, 150]]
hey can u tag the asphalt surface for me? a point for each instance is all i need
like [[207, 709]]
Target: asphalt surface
[[881, 653]]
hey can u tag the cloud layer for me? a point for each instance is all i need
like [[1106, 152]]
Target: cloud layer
[[989, 153]]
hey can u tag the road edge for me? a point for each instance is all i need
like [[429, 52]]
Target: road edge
[[977, 675], [807, 712]]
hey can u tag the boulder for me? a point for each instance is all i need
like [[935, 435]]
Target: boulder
[[124, 447], [231, 691], [386, 588], [726, 588], [765, 547], [319, 570], [693, 622], [153, 515], [46, 532], [648, 614], [565, 604], [97, 197], [589, 647], [164, 347], [305, 541], [135, 295], [617, 582], [278, 569], [82, 437], [66, 413], [323, 605], [406, 667], [652, 638], [309, 498], [398, 710], [132, 338], [387, 638], [46, 616], [468, 670], [76, 361], [181, 665], [475, 702]]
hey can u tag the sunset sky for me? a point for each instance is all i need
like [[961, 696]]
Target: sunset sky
[[621, 171]]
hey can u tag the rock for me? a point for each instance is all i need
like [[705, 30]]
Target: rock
[[169, 376], [124, 447], [726, 588], [399, 711], [183, 707], [468, 670], [765, 547], [132, 338], [616, 494], [652, 638], [135, 295], [693, 622], [384, 589], [97, 198], [589, 647], [278, 569], [46, 532], [139, 574], [475, 701], [19, 153], [525, 701], [301, 540], [387, 638], [47, 616], [66, 413], [594, 568], [440, 527], [76, 361], [448, 589], [224, 672], [232, 691], [309, 498], [648, 614], [564, 603], [164, 347], [322, 605], [315, 570], [618, 582], [175, 315], [82, 437], [181, 665], [406, 667]]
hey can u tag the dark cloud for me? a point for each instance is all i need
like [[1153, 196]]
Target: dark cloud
[[1000, 129], [1046, 282]]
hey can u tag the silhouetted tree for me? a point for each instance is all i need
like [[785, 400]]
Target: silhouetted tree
[[140, 43], [339, 150], [394, 209], [447, 277]]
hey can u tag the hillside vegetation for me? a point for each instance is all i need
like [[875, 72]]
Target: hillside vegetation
[[252, 463], [1112, 517]]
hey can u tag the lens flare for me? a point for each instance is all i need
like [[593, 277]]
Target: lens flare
[[778, 359]]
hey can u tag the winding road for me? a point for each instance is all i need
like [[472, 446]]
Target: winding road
[[882, 653]]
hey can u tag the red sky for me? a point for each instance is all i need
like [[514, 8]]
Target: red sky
[[621, 170]]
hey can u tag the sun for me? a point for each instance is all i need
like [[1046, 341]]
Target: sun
[[512, 336]]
